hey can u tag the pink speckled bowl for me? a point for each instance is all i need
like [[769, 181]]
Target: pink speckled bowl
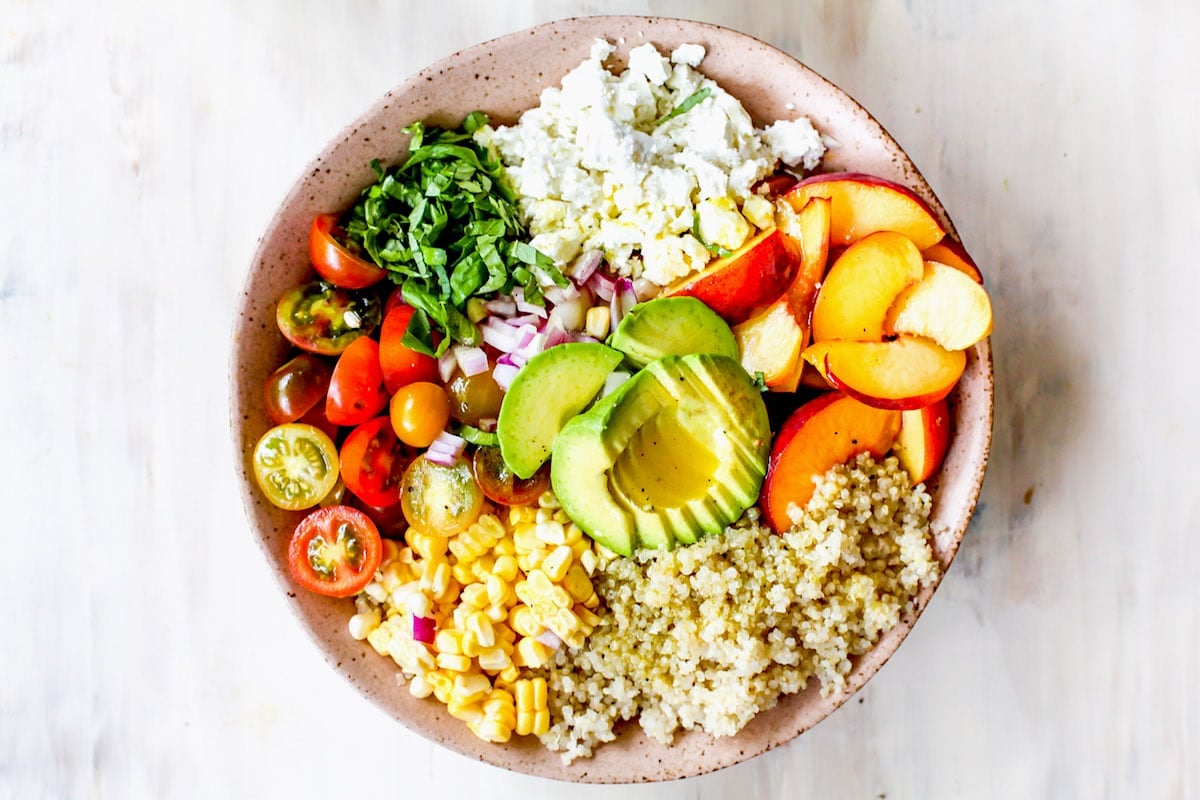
[[503, 77]]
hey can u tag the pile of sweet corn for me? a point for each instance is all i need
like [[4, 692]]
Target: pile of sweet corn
[[501, 594]]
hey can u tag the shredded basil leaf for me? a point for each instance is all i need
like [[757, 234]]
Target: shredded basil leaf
[[476, 436], [691, 101], [715, 249], [446, 226]]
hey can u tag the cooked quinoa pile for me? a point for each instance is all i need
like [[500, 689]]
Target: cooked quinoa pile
[[710, 634]]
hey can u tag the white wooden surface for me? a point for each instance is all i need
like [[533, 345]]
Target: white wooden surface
[[145, 651]]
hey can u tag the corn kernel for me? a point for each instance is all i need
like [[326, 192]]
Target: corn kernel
[[509, 674], [498, 590], [479, 625], [593, 601], [544, 515], [523, 622], [453, 662], [492, 731], [504, 633], [436, 576], [577, 583], [494, 660], [574, 533], [428, 546], [462, 572], [442, 685], [376, 592], [505, 547], [470, 645], [448, 641], [525, 538], [531, 653], [541, 722], [557, 563], [470, 714], [475, 595], [586, 617], [363, 624], [496, 613], [505, 568], [420, 687], [548, 499], [471, 688], [589, 561], [597, 321]]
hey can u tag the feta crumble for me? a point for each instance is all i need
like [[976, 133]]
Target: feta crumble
[[597, 168]]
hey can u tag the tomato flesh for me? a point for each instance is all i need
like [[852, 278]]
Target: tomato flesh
[[373, 462], [402, 365], [333, 261], [335, 551], [325, 319], [440, 500], [356, 390], [475, 398], [296, 387], [500, 485], [296, 465]]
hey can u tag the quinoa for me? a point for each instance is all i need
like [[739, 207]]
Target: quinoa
[[708, 635]]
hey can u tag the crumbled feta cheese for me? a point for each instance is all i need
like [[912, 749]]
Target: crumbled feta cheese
[[596, 169], [795, 142], [759, 210]]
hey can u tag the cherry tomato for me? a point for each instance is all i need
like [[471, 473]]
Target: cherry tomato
[[402, 365], [356, 391], [324, 319], [389, 519], [475, 398], [373, 462], [295, 465], [500, 485], [296, 387], [335, 551], [334, 261], [316, 417], [440, 500], [420, 412]]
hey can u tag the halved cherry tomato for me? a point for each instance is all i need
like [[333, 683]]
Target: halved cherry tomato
[[356, 391], [500, 485], [389, 519], [333, 261], [474, 399], [324, 319], [335, 551], [402, 365], [440, 500], [419, 413], [296, 387], [373, 462], [295, 465]]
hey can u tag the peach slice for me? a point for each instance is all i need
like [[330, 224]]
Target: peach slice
[[923, 439], [862, 285], [755, 274], [823, 433], [909, 372], [772, 340], [945, 305], [863, 204], [953, 254]]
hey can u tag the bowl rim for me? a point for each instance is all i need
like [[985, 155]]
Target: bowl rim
[[866, 666]]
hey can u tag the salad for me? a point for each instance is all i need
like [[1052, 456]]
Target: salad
[[619, 412]]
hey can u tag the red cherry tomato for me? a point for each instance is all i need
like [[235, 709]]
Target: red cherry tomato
[[316, 417], [500, 485], [335, 551], [324, 319], [373, 460], [296, 387], [356, 391], [389, 519], [333, 261], [402, 365]]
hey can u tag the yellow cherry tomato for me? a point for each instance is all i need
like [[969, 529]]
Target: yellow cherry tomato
[[419, 412]]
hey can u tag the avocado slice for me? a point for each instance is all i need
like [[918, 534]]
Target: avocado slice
[[677, 452], [549, 390], [672, 326]]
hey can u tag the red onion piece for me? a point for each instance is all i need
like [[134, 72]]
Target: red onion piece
[[527, 307], [550, 639], [471, 360], [512, 360], [623, 299], [585, 265], [488, 424], [504, 374], [561, 294], [573, 313], [424, 629], [555, 337], [446, 364], [503, 306], [522, 320], [499, 335], [602, 285]]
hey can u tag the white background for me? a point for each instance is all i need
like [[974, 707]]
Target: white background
[[144, 649]]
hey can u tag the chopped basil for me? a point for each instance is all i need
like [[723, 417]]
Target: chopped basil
[[691, 101]]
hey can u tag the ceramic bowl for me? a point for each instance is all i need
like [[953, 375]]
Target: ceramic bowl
[[503, 77]]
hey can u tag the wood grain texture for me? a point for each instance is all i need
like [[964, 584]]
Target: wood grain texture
[[146, 651]]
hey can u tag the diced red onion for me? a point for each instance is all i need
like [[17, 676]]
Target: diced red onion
[[525, 335], [524, 319], [487, 424], [512, 360], [446, 364], [623, 299], [561, 294], [645, 289], [471, 360], [441, 457], [550, 639], [573, 313], [503, 306], [446, 449], [424, 629], [555, 337], [504, 338], [602, 285], [585, 265], [526, 307], [504, 374], [583, 337]]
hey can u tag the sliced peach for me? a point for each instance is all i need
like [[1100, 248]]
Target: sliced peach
[[772, 339], [752, 276], [945, 305], [863, 204], [923, 439], [909, 372], [862, 285], [821, 434], [953, 254]]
